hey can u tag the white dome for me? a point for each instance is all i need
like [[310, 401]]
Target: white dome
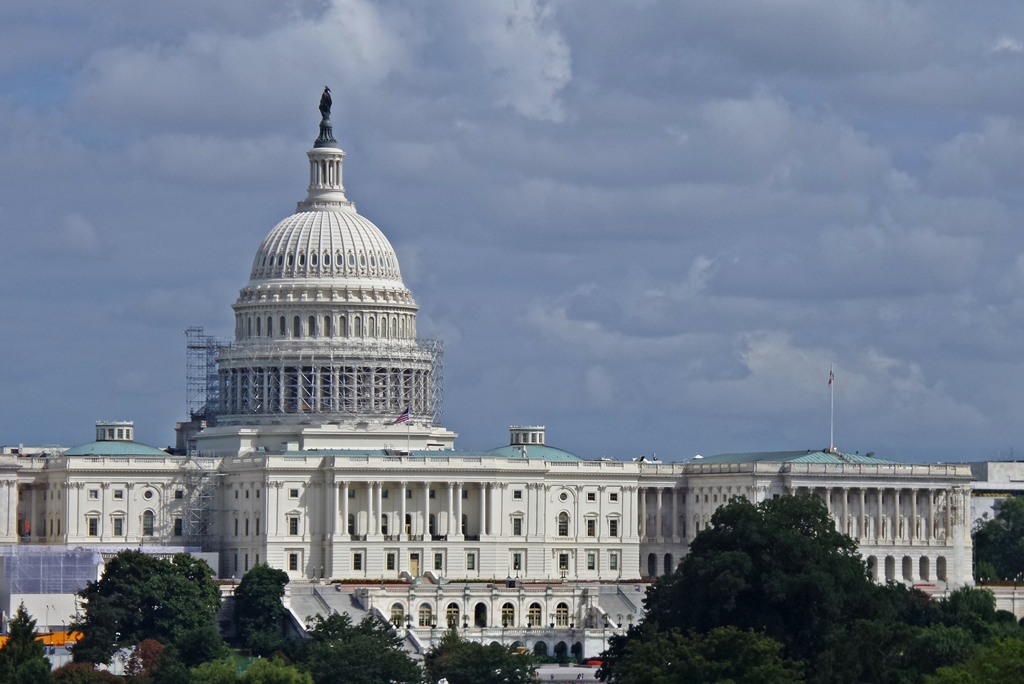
[[326, 244]]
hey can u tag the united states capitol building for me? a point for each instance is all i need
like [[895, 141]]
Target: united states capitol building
[[320, 451]]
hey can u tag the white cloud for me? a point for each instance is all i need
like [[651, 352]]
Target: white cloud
[[76, 235], [1007, 44]]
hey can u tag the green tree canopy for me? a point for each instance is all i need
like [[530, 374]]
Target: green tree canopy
[[999, 542], [468, 662], [21, 659], [1001, 662], [142, 597], [275, 671], [339, 652], [778, 567], [725, 654], [259, 611]]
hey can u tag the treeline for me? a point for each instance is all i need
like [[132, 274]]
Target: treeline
[[772, 593]]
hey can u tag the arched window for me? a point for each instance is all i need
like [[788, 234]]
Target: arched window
[[351, 523], [397, 615], [311, 323], [259, 332], [563, 524], [327, 327], [282, 327], [480, 615], [925, 570], [384, 523], [296, 328], [369, 327], [401, 327], [302, 259], [291, 259], [147, 523], [327, 259], [940, 568], [534, 615], [451, 615], [342, 328], [312, 259], [384, 327], [508, 615], [248, 331], [358, 326], [668, 563], [426, 615], [351, 259], [540, 648], [562, 615], [270, 326]]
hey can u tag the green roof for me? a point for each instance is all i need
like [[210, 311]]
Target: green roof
[[805, 456], [548, 453], [114, 449]]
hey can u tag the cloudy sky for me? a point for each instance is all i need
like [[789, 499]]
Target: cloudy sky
[[650, 226]]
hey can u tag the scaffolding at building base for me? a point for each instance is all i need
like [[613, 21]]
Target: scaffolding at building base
[[365, 380], [201, 481]]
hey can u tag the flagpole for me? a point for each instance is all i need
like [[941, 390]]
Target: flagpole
[[832, 408], [408, 449]]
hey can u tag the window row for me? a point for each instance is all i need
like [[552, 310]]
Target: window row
[[339, 263], [119, 529], [454, 617], [382, 326]]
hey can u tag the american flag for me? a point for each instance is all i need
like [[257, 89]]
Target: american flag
[[831, 377], [402, 418]]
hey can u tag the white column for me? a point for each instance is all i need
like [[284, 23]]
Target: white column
[[629, 519], [913, 515], [32, 524], [426, 511], [401, 522], [881, 514], [642, 493], [949, 518], [344, 511], [379, 503], [862, 515], [659, 532], [931, 514], [483, 509], [675, 514], [896, 514], [492, 516], [846, 510], [371, 519], [458, 511], [451, 509]]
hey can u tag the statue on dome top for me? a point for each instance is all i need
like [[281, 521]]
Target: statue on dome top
[[325, 103]]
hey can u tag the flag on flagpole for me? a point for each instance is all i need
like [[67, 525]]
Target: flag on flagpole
[[831, 377], [402, 418]]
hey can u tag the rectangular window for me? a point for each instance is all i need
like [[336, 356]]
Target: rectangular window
[[94, 494], [351, 493], [257, 496], [247, 562], [591, 561], [246, 527], [614, 496], [591, 496], [236, 562], [517, 494], [246, 493], [439, 561], [179, 493], [517, 527], [431, 493], [465, 493], [383, 493], [293, 561], [293, 526], [257, 527], [94, 527], [591, 527], [563, 561], [408, 493], [236, 493], [389, 561], [613, 561], [292, 494], [177, 527], [613, 527], [357, 561], [471, 561], [517, 561], [118, 527], [236, 527]]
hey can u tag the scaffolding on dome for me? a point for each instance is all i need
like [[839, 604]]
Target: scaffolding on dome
[[372, 379], [201, 387]]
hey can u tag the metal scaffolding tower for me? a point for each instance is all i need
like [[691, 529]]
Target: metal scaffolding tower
[[201, 386], [200, 490]]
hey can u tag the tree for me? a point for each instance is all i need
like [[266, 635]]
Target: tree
[[83, 673], [467, 662], [999, 542], [259, 611], [723, 654], [143, 597], [778, 567], [1001, 662], [275, 671], [339, 652], [21, 659], [145, 658], [215, 672]]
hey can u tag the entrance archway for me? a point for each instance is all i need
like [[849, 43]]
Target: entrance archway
[[480, 615]]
